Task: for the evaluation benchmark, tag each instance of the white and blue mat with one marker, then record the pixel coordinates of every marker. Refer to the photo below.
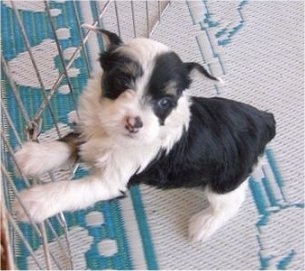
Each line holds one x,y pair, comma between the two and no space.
257,47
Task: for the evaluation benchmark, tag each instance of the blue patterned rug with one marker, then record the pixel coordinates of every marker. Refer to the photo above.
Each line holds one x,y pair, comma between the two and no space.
259,55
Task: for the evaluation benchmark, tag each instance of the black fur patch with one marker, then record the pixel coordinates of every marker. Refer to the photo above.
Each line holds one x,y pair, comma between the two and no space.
219,149
120,73
169,78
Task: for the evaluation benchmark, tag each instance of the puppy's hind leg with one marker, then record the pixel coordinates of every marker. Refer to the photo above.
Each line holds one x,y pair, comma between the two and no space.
222,208
34,158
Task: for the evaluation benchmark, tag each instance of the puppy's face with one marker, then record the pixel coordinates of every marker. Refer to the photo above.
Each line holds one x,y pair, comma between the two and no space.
142,89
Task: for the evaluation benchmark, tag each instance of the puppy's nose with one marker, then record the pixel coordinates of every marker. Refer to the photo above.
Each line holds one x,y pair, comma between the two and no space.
133,124
138,122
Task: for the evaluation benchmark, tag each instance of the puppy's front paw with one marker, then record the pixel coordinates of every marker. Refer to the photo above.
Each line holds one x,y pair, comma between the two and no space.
36,202
203,225
29,159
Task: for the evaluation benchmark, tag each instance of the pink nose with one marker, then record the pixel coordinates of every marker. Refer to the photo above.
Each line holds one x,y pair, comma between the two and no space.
133,124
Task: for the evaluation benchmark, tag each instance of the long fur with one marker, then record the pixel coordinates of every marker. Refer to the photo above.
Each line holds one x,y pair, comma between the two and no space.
137,125
221,145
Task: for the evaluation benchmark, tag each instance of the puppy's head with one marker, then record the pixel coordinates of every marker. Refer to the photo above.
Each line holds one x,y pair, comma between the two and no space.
142,89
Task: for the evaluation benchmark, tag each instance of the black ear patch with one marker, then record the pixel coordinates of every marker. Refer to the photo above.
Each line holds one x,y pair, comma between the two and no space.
113,39
169,70
190,66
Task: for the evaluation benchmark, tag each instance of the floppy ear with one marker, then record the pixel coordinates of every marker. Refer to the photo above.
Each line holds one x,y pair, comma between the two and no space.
190,66
111,39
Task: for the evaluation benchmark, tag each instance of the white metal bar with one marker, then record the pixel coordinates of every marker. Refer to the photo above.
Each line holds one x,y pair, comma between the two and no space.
10,122
46,103
25,242
160,17
45,245
15,91
117,17
61,56
80,32
66,230
40,233
147,19
133,19
28,47
70,62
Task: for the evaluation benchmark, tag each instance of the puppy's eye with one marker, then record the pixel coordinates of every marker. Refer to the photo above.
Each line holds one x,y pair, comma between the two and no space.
164,103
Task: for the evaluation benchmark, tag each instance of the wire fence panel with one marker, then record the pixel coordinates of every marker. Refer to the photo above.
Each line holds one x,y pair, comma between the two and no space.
46,60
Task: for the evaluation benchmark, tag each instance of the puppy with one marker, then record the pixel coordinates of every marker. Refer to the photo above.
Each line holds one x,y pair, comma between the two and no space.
137,125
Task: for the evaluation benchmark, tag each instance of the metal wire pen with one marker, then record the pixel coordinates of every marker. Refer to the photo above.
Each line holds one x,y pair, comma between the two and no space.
29,123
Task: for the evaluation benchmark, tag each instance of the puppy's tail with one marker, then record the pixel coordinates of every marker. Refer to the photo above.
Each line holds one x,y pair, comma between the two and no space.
35,159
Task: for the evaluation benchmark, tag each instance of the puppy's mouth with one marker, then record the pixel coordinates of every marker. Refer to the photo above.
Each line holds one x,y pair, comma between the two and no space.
131,130
132,135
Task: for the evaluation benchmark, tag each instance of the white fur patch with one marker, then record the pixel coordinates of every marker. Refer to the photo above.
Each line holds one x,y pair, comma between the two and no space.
113,153
43,201
34,158
103,125
222,208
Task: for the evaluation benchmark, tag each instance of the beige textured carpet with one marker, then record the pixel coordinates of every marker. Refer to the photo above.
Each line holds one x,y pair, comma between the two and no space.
257,47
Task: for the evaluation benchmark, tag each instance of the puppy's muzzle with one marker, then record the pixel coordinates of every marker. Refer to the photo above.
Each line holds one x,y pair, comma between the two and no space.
133,124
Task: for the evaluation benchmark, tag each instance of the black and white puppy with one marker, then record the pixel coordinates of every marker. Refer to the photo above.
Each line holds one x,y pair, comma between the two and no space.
137,125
